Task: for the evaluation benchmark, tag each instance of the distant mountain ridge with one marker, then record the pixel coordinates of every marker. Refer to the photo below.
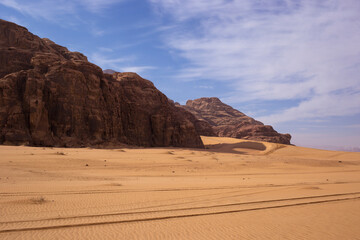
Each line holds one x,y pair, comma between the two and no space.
109,71
334,148
229,122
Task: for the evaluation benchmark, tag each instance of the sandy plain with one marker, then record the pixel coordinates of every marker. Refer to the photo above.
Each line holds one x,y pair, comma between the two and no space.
233,189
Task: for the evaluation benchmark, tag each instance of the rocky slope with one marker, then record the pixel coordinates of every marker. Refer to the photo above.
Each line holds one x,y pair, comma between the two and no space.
229,122
201,126
50,96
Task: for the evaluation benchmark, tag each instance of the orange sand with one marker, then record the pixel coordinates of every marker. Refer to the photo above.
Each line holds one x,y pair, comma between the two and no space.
234,189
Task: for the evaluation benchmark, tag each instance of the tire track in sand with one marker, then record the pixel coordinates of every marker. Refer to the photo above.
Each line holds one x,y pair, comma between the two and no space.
39,228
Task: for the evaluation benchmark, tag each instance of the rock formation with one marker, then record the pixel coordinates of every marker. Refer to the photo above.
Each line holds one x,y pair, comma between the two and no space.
109,71
202,127
50,96
229,122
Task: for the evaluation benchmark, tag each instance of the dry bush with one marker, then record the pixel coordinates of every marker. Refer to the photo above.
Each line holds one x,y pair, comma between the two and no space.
38,200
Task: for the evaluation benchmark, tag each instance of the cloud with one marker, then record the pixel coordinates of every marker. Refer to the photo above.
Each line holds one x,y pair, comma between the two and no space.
106,62
106,49
301,50
14,19
205,87
137,69
319,106
48,10
122,64
56,10
97,32
97,6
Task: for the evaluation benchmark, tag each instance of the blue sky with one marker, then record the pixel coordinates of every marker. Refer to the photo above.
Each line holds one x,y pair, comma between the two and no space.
293,64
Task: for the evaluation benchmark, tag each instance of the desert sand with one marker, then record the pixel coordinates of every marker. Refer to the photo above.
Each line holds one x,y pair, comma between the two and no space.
233,189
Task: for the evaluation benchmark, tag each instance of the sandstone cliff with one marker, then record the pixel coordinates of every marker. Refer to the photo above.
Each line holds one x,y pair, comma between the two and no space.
50,96
229,122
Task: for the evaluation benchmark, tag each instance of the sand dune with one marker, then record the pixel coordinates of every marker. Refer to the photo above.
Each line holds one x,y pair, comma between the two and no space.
233,189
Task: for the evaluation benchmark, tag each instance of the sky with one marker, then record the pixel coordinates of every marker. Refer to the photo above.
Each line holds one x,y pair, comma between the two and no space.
292,64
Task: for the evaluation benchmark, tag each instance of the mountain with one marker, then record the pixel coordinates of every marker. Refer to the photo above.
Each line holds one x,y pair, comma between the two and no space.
202,127
109,71
229,122
50,96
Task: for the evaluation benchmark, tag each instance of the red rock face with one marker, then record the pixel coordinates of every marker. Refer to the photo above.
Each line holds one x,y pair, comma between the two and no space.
50,96
202,127
229,122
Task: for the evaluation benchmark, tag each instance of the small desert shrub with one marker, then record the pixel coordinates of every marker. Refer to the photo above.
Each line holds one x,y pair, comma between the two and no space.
38,200
116,184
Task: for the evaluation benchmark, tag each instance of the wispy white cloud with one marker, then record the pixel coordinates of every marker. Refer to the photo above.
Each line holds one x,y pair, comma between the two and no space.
55,10
106,62
97,32
97,6
120,64
302,50
105,49
49,10
205,87
319,106
14,19
137,69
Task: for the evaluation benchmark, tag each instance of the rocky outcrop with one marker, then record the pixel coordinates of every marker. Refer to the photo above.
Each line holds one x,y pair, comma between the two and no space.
229,122
109,71
202,127
50,96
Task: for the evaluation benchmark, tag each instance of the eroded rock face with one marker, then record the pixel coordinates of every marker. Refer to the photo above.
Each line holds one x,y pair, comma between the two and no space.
229,122
50,96
202,127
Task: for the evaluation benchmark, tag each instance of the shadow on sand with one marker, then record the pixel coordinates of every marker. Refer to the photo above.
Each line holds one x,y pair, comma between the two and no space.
238,148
